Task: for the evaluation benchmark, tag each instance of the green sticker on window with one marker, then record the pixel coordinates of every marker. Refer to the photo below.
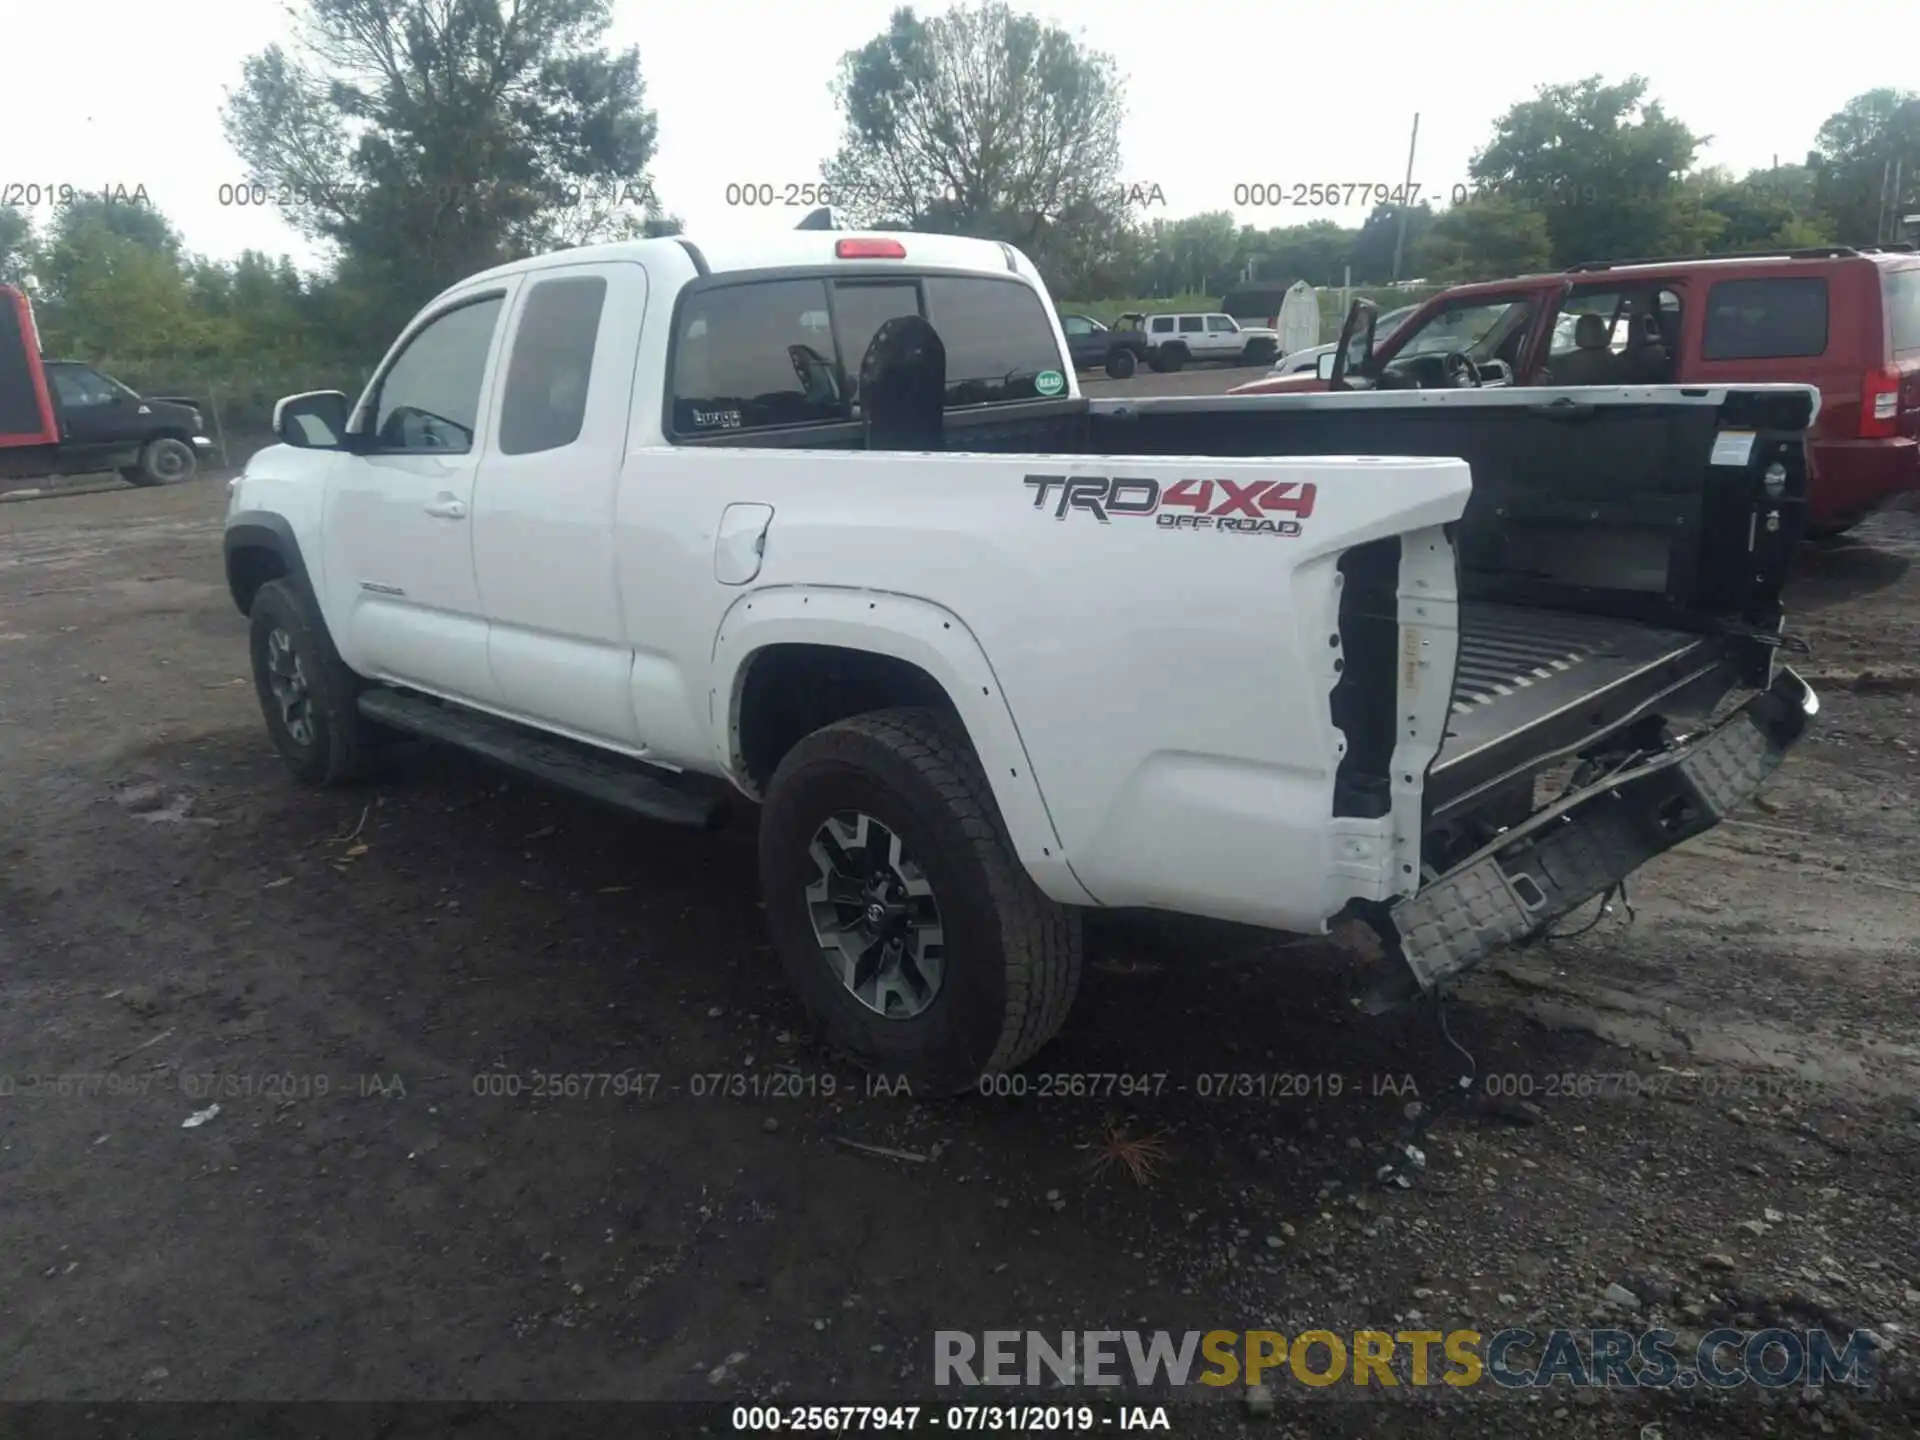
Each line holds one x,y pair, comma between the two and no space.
1049,382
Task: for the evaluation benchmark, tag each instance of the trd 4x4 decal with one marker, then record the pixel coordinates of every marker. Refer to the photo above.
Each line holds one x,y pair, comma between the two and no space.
1236,507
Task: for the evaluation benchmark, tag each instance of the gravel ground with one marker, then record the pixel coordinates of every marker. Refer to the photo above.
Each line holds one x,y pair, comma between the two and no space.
1710,1109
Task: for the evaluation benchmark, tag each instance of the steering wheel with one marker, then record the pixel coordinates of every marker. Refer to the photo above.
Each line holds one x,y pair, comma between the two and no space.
1461,372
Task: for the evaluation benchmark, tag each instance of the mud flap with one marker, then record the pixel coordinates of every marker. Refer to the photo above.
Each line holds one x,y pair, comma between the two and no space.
1586,843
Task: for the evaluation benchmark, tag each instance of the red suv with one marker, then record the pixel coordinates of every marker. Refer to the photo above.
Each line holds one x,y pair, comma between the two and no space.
1844,320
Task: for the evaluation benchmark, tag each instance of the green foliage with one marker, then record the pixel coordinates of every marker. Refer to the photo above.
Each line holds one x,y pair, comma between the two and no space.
429,139
1107,311
1768,209
983,121
1857,148
16,244
1489,238
1603,165
434,137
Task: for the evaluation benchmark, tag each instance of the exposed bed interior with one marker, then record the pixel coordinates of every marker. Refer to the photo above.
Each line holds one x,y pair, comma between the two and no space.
1606,557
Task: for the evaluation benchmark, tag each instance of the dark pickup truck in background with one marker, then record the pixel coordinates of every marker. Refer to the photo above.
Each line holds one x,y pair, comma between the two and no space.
62,417
1093,346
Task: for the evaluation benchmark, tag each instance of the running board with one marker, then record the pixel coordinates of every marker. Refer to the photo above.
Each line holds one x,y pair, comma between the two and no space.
597,776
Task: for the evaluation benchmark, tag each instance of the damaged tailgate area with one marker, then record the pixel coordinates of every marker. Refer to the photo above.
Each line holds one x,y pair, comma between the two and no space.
1623,806
1610,642
1616,687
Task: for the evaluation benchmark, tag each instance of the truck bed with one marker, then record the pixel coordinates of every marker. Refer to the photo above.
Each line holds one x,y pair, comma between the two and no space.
1530,682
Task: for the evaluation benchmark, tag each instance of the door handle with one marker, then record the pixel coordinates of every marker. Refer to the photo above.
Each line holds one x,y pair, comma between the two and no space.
446,507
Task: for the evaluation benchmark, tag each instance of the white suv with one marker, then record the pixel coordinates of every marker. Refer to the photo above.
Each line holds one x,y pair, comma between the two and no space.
1175,340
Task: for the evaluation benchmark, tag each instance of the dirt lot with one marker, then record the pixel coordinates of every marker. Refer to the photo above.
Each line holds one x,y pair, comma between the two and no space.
1713,1106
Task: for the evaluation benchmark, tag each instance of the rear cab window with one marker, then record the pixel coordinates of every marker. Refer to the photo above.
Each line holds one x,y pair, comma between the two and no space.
763,354
1779,318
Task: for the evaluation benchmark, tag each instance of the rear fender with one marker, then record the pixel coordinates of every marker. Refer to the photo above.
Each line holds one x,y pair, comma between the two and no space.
922,634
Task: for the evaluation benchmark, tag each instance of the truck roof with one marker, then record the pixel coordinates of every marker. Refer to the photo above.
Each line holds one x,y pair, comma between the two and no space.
780,250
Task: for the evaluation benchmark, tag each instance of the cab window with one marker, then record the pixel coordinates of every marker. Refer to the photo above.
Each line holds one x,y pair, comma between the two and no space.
998,336
429,398
79,388
860,308
755,355
544,402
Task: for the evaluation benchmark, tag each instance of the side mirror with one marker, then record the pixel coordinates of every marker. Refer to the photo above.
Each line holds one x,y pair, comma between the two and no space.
313,420
1323,365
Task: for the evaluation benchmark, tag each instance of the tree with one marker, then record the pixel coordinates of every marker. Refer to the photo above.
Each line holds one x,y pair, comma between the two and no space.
1773,209
432,138
109,281
1603,165
16,244
1375,242
1857,148
980,122
1318,252
1490,238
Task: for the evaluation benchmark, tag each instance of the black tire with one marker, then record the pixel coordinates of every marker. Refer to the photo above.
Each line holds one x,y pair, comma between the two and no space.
1011,957
164,460
1173,358
1121,364
334,750
1260,352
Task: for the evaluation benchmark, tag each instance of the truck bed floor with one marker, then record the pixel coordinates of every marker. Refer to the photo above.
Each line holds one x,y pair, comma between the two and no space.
1531,682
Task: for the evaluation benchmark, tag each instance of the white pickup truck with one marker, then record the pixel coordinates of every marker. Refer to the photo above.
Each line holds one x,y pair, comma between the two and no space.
822,521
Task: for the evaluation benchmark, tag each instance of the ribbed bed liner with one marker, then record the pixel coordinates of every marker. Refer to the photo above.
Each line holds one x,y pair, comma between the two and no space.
1504,649
1529,681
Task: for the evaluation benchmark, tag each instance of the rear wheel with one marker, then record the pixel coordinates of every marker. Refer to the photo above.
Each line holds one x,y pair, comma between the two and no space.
307,694
1172,358
899,911
163,461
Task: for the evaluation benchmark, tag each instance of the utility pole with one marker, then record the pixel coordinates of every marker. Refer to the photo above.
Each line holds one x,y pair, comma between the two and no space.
1400,240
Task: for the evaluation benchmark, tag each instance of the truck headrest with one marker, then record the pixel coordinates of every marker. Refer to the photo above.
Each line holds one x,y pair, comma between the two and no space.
903,386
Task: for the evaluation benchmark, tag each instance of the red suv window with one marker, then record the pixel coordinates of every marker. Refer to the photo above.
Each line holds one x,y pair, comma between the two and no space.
1903,311
1766,319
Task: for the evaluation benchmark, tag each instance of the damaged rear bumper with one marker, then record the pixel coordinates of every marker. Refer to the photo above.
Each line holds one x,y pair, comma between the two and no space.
1587,842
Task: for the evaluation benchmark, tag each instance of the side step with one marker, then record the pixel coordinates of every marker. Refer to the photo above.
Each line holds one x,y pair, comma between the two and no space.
609,779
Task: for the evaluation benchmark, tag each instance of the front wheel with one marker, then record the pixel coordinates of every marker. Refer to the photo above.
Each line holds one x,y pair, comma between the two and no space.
163,461
899,911
1120,364
307,694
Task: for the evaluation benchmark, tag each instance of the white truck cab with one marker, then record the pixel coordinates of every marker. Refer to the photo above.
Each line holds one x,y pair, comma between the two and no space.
821,522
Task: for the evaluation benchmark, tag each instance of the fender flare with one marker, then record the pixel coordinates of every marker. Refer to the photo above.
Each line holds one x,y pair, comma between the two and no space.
923,634
261,530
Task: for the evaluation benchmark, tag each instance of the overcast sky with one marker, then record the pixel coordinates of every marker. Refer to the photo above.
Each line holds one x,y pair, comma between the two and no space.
1222,92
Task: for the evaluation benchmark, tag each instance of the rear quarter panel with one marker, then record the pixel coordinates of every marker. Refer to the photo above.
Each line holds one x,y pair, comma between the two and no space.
1170,686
